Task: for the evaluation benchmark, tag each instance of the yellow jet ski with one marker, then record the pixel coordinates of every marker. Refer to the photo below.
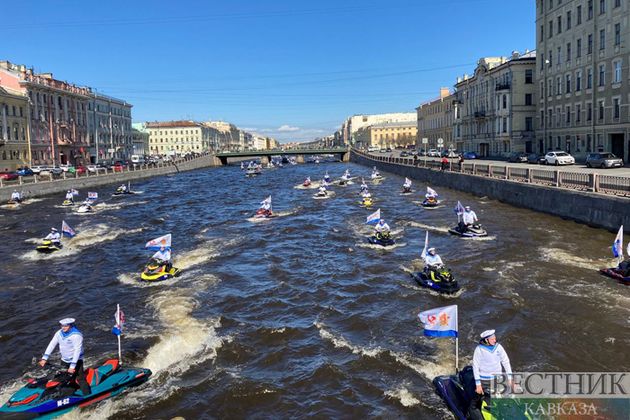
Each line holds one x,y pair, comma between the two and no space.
47,247
157,271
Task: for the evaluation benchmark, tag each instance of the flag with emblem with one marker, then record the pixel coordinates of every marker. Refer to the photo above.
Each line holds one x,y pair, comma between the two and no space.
119,316
617,247
93,195
440,322
374,217
157,243
432,192
67,230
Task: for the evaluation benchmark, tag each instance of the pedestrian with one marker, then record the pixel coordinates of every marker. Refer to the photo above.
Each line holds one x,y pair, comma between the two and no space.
70,341
460,161
444,163
487,360
415,159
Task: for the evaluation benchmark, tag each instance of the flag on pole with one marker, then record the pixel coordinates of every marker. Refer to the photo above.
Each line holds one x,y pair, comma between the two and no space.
374,217
67,230
157,243
119,316
407,181
426,247
459,209
93,196
266,200
432,192
617,247
440,322
74,192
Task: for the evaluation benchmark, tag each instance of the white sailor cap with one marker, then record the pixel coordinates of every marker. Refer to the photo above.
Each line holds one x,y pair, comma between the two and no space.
487,333
430,249
53,229
66,321
467,207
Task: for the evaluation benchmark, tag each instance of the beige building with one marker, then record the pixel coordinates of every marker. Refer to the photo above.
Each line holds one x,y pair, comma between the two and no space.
353,124
435,121
388,134
177,137
14,141
495,109
583,90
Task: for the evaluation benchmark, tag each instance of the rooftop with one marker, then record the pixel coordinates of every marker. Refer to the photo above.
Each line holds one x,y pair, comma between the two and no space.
172,124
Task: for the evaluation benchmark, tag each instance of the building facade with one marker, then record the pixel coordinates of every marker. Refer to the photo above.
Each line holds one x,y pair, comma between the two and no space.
494,109
353,124
14,144
140,139
435,122
109,128
583,79
56,113
388,134
177,138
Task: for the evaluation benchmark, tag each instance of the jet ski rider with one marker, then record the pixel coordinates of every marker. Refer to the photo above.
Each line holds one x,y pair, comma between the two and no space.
433,261
54,237
322,190
487,360
123,188
469,218
70,196
163,257
70,341
382,229
16,196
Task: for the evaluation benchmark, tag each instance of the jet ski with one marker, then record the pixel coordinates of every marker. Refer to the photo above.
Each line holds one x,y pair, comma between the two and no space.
470,231
67,203
85,208
440,279
407,190
14,202
458,391
307,184
620,273
55,394
430,202
157,271
48,247
342,181
120,191
367,201
381,238
264,214
251,172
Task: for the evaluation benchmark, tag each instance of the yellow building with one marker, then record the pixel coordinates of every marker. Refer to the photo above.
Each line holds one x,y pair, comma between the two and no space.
435,121
388,134
14,140
177,137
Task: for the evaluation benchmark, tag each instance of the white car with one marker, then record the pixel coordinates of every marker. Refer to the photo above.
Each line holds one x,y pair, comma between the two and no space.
38,169
65,167
559,158
433,153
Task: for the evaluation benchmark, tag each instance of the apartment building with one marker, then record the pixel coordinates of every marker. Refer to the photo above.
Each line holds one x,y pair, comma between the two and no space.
435,121
14,144
177,137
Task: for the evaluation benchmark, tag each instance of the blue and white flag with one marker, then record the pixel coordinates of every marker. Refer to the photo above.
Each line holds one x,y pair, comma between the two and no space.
617,247
119,316
440,322
266,201
407,181
374,217
74,192
432,192
157,243
93,196
67,230
459,209
426,247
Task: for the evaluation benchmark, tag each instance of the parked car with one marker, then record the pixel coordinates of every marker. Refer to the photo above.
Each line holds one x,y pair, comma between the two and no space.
118,166
54,170
383,150
448,153
80,169
404,154
433,153
603,160
559,158
517,157
469,155
26,171
389,149
66,167
38,169
536,158
9,175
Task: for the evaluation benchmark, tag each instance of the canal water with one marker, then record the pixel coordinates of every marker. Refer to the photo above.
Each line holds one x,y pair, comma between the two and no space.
298,316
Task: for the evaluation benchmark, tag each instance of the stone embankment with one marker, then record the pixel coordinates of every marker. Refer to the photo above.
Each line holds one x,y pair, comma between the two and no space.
594,209
88,180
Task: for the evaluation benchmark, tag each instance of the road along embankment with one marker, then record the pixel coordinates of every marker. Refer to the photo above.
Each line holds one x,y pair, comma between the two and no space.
593,209
36,189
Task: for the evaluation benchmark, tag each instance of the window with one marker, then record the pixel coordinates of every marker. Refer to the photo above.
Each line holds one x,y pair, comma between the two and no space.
579,15
504,101
568,115
550,88
602,75
559,85
559,28
616,106
529,76
589,78
618,34
550,58
589,111
569,19
558,116
542,32
569,51
602,6
617,3
549,117
529,124
578,81
617,72
589,46
578,113
601,110
529,100
559,55
578,52
505,125
542,90
568,83
542,118
550,29
590,9
550,4
602,39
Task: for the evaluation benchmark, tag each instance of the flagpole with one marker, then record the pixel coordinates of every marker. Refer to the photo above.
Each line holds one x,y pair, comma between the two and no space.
119,349
456,343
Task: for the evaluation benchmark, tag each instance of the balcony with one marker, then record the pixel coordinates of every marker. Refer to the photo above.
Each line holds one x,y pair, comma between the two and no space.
479,114
502,86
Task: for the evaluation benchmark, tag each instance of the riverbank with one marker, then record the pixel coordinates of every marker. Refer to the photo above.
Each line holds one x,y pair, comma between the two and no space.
57,186
594,209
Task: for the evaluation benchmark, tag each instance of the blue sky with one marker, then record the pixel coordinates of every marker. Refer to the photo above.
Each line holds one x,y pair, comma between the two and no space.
292,70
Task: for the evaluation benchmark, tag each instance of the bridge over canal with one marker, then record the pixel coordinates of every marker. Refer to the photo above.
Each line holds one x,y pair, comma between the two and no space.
221,159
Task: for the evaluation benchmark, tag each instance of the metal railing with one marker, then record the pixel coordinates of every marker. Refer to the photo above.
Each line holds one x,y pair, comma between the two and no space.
593,182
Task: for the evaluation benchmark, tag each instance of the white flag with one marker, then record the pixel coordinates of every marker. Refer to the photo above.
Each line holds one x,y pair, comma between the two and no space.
374,217
426,247
440,322
157,243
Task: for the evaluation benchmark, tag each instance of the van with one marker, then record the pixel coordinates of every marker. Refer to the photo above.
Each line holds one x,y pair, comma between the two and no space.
373,149
137,159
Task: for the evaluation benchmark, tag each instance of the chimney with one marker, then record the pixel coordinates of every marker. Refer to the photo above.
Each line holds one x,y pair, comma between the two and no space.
444,92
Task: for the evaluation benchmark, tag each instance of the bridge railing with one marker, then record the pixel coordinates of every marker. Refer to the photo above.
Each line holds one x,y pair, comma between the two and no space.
594,182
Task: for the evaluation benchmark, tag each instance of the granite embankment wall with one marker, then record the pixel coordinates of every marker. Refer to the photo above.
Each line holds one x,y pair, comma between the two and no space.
83,182
593,209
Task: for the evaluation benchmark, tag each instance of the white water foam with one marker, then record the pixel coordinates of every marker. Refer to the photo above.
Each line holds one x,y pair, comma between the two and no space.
564,257
331,194
441,229
403,396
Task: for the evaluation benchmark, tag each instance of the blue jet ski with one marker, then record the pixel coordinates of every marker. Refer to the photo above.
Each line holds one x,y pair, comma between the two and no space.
439,279
383,239
56,394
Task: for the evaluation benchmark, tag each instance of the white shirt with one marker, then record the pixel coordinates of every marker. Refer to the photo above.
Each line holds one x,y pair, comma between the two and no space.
374,175
487,361
162,255
427,196
322,189
53,237
69,196
15,196
431,260
469,217
70,346
381,228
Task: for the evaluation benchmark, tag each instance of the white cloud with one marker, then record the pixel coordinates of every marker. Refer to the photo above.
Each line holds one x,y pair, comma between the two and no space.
248,129
288,128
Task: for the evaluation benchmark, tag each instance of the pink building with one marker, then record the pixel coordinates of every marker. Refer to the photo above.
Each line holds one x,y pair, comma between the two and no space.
56,113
